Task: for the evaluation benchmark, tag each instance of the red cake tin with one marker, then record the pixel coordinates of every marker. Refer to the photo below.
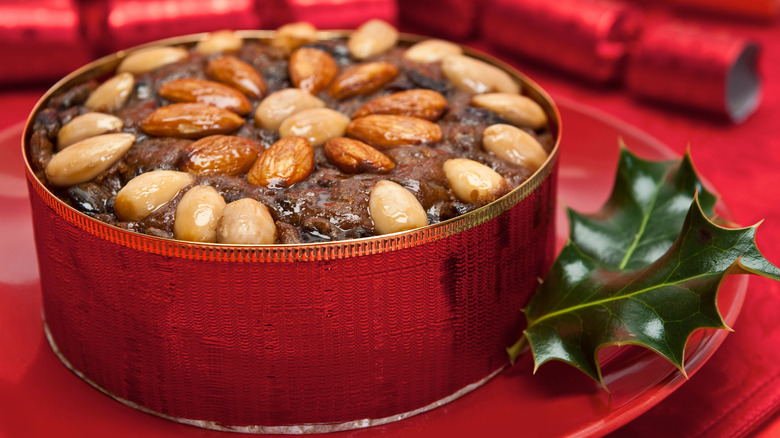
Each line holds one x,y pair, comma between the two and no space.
292,338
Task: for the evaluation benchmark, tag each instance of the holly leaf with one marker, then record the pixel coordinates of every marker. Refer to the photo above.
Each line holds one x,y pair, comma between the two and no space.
644,213
644,270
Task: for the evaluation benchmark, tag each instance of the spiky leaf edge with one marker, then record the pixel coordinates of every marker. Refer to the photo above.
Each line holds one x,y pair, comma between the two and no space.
737,267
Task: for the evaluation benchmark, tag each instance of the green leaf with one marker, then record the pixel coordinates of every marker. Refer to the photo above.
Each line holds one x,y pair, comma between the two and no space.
644,213
641,271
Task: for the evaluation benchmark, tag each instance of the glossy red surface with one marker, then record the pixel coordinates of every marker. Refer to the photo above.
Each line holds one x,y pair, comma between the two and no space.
42,398
41,40
588,39
738,391
287,336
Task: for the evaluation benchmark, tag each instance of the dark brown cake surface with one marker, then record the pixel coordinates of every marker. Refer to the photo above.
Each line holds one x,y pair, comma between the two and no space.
323,201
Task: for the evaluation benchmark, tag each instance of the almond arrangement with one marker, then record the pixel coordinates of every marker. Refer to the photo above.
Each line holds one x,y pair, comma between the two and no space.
293,139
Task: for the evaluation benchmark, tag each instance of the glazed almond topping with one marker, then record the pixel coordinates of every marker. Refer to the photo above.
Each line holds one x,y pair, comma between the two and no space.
394,208
372,38
146,60
206,92
197,215
147,192
220,154
223,41
354,156
238,74
286,162
293,139
278,106
388,131
363,79
86,126
421,103
88,158
111,94
246,221
190,120
317,125
312,70
477,76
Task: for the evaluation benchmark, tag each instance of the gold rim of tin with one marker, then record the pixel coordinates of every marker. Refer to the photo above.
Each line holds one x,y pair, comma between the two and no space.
297,251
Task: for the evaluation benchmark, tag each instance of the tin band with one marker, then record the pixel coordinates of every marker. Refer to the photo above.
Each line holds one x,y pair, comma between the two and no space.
259,429
237,336
296,252
292,252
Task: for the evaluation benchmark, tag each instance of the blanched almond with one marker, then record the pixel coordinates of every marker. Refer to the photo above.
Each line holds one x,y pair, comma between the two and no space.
372,38
190,120
363,79
146,60
477,76
113,93
147,192
220,154
206,92
282,104
293,35
394,209
87,159
387,131
285,163
354,156
431,51
85,126
514,108
220,41
246,221
514,145
238,74
197,215
474,182
318,125
425,104
312,70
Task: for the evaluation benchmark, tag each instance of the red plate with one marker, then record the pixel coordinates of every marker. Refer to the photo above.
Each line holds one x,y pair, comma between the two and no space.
40,397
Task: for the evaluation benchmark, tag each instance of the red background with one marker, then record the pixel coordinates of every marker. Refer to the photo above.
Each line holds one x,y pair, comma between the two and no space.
740,387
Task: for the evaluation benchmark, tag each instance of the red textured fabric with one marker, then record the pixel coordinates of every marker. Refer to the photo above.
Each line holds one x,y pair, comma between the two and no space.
132,22
245,340
40,40
737,391
453,19
588,38
694,67
339,14
748,8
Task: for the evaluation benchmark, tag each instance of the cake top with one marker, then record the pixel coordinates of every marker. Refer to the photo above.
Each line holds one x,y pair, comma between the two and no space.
293,139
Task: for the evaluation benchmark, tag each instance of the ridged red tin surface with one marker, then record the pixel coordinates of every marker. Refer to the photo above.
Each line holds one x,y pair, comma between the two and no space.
285,343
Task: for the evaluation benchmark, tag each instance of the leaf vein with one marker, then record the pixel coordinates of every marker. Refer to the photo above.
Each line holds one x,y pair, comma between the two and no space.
641,230
604,301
